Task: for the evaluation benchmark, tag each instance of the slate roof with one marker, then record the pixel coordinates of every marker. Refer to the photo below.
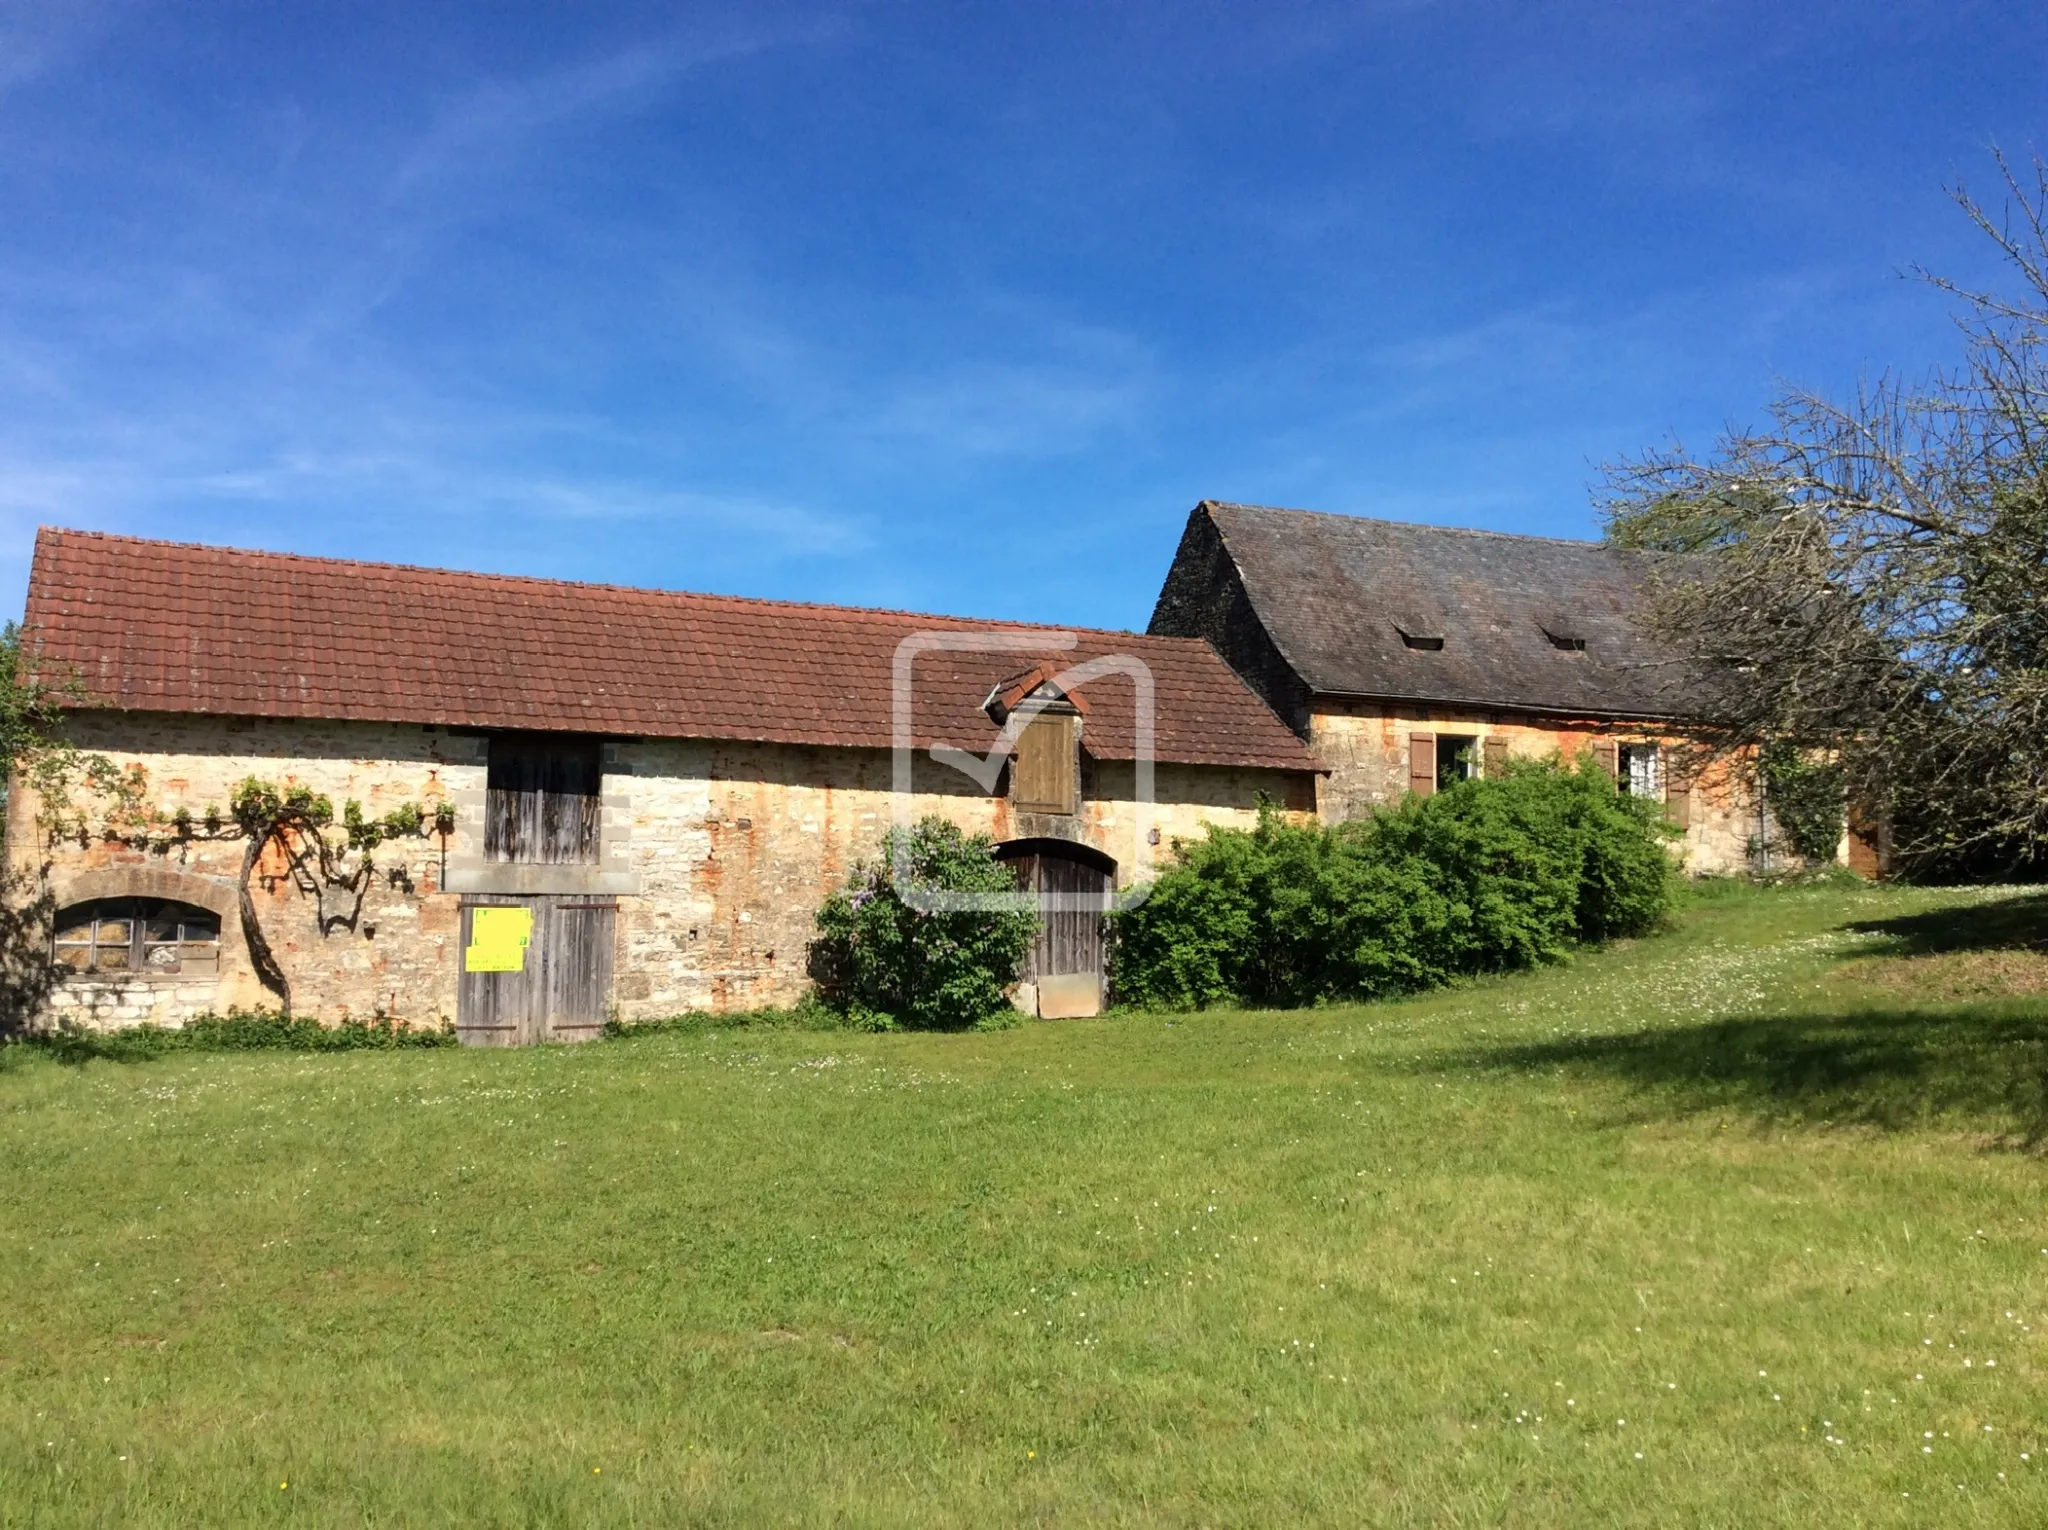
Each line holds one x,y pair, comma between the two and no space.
1337,592
170,627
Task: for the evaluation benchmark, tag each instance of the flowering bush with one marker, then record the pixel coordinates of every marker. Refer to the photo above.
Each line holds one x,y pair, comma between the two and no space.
1488,876
883,963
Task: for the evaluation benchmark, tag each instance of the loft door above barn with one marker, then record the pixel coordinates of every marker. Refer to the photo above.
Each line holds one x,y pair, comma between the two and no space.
542,801
552,815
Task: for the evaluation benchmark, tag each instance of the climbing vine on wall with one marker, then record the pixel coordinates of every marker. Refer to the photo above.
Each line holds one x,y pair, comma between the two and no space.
301,824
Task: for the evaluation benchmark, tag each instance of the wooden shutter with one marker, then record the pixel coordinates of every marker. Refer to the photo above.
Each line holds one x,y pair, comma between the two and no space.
541,801
1493,756
562,985
576,972
1045,766
1678,799
1607,755
1422,763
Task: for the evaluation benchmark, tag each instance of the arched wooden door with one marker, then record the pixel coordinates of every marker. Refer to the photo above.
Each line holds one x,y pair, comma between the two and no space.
1066,967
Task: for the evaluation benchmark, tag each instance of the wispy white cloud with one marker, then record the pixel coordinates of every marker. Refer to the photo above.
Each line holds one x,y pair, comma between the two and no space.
487,126
990,375
992,409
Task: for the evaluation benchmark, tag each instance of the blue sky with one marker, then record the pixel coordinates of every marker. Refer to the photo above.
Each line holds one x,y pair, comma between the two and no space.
948,306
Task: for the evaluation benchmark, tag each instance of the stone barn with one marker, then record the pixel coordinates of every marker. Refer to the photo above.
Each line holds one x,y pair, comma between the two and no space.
1411,656
632,801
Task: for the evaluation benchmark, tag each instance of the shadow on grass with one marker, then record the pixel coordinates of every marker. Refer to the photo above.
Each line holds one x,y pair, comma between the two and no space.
1980,1067
2011,924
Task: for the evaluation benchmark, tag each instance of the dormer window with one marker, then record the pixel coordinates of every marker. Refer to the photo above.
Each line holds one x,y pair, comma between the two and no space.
1045,767
1564,633
1419,631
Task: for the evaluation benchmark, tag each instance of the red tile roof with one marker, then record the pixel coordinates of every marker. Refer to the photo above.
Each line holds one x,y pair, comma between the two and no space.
169,627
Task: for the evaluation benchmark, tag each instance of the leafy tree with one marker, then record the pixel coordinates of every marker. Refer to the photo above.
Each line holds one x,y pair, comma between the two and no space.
28,706
885,961
1868,585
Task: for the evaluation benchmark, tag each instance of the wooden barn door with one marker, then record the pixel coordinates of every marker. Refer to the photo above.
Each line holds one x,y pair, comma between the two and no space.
551,985
1067,962
1070,938
577,967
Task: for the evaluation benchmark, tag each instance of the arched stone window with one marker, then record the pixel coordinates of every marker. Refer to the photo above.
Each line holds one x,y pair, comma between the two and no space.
148,936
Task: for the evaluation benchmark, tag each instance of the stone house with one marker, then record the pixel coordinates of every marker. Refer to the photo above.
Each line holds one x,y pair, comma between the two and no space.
634,800
1409,656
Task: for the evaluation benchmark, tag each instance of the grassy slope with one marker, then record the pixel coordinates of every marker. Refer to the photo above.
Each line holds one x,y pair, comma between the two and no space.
1409,1264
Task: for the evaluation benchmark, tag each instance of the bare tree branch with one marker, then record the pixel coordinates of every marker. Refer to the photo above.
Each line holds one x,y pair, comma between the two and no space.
1871,573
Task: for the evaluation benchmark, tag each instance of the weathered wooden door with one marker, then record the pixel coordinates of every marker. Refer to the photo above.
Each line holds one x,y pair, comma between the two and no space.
577,967
554,988
1068,955
1070,932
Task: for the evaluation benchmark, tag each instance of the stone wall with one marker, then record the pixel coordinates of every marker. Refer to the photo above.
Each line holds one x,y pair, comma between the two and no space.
395,954
736,845
1365,748
718,853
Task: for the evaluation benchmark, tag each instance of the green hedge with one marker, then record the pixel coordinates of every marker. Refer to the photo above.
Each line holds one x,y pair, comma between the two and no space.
240,1031
1489,876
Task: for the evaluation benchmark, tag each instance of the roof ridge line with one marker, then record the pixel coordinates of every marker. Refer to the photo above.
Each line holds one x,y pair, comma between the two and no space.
1381,520
822,607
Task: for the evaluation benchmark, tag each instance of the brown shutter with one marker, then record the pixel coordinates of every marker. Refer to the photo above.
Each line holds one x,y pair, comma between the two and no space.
1493,756
1607,755
1045,767
1422,763
1677,798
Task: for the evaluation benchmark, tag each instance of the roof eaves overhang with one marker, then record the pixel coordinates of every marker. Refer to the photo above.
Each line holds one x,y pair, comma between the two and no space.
1600,713
471,726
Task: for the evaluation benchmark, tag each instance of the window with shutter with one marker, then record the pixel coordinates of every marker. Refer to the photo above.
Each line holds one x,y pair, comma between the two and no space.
1494,757
1044,774
541,805
1639,771
1457,759
147,935
1607,755
1422,763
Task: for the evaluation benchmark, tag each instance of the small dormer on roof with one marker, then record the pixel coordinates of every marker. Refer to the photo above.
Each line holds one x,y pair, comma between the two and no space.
1035,684
1420,630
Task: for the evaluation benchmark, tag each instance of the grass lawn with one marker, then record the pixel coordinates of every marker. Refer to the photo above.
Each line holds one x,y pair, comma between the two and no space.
1741,1226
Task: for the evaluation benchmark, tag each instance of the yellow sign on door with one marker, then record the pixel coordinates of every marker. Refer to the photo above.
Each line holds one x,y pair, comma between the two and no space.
498,938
